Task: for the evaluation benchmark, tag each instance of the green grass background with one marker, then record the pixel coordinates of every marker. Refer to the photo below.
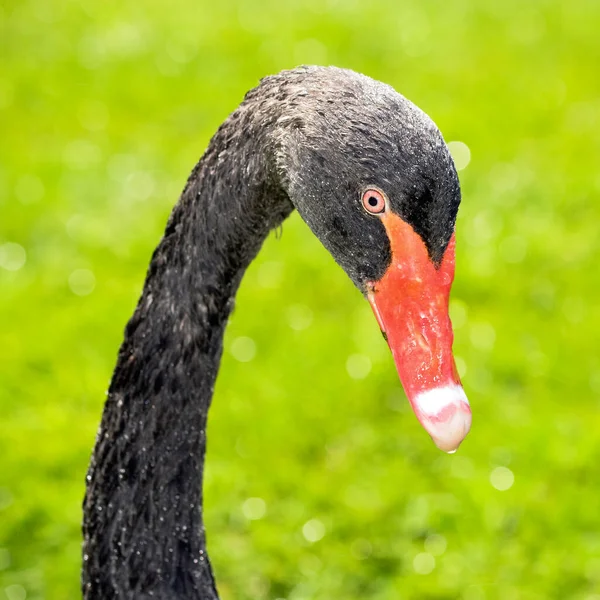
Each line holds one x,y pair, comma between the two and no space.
104,109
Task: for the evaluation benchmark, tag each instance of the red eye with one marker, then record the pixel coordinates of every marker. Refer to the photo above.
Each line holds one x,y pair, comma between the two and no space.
373,200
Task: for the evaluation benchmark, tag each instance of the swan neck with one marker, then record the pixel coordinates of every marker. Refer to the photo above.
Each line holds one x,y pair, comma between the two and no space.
143,526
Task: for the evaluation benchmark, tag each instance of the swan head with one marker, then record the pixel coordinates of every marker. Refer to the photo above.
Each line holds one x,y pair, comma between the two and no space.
371,175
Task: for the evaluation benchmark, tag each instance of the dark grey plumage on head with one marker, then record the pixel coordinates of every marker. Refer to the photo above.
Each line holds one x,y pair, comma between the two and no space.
312,139
343,132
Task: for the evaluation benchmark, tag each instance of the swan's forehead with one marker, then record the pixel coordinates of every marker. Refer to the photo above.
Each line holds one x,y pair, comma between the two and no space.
339,104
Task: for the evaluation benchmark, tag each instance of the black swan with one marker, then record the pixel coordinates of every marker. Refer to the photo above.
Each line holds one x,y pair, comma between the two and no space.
372,177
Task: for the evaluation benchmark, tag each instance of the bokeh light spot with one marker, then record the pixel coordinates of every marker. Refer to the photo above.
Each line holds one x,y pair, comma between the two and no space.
254,508
358,366
15,592
243,349
181,51
474,592
461,154
82,282
423,563
120,166
458,313
74,226
435,544
12,256
461,365
502,478
482,229
81,154
139,185
299,317
313,530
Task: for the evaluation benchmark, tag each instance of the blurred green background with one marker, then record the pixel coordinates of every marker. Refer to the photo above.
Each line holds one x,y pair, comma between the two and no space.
319,481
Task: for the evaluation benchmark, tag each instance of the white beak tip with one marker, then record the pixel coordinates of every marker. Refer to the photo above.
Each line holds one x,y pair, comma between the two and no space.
445,414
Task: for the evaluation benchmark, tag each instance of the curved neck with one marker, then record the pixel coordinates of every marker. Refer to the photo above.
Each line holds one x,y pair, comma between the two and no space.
143,529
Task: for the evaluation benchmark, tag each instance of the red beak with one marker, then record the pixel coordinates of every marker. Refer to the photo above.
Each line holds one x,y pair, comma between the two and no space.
410,302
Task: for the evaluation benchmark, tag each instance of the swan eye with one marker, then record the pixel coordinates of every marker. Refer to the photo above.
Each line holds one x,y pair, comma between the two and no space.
373,201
